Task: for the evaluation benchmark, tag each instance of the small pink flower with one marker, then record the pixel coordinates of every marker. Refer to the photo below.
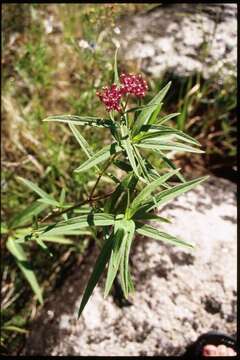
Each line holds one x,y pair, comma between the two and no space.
110,96
133,84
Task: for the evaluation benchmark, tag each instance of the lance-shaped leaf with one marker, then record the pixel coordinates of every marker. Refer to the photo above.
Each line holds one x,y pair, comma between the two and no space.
172,166
145,114
151,217
99,157
116,201
23,217
149,231
46,198
172,146
81,140
163,136
82,120
76,223
116,255
146,177
142,107
116,76
166,118
97,271
126,143
154,115
146,192
125,277
21,259
167,195
165,130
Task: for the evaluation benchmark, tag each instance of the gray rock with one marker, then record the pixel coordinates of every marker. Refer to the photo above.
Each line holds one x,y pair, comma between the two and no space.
183,39
179,293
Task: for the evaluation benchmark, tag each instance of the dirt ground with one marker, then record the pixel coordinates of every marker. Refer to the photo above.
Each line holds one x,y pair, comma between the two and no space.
179,294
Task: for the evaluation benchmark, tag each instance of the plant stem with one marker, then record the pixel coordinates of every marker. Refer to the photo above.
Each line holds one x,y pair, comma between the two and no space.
100,175
52,215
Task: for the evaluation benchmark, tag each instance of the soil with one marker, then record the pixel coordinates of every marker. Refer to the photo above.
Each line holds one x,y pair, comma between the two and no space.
179,293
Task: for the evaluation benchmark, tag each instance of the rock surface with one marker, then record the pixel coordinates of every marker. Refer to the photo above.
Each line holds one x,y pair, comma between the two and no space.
183,39
179,294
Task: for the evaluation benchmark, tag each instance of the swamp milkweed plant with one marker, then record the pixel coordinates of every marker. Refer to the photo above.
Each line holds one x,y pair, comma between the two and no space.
123,212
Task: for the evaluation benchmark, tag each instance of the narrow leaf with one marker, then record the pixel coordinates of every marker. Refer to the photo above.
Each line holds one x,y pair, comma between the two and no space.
116,255
76,223
17,251
166,118
37,190
167,195
174,146
116,77
145,114
82,120
146,192
23,217
99,157
149,231
97,271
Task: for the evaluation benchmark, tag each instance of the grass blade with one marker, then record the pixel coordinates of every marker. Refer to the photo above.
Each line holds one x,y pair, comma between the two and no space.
49,199
21,258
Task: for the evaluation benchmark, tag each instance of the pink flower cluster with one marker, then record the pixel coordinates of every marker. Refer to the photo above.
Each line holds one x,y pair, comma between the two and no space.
131,84
134,84
110,96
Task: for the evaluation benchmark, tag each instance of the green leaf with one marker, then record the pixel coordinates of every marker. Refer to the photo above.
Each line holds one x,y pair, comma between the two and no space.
172,166
59,239
146,178
14,329
21,258
145,114
126,143
62,197
48,202
43,246
116,77
125,278
142,107
99,157
146,192
166,118
123,165
82,142
23,217
116,201
82,120
174,146
146,217
76,223
154,115
97,271
166,130
48,198
116,255
167,195
149,231
163,136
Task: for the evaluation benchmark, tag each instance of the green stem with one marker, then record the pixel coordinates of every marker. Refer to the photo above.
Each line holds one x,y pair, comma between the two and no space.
100,175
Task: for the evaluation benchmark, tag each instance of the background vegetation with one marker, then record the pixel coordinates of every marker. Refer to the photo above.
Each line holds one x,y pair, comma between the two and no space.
54,59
